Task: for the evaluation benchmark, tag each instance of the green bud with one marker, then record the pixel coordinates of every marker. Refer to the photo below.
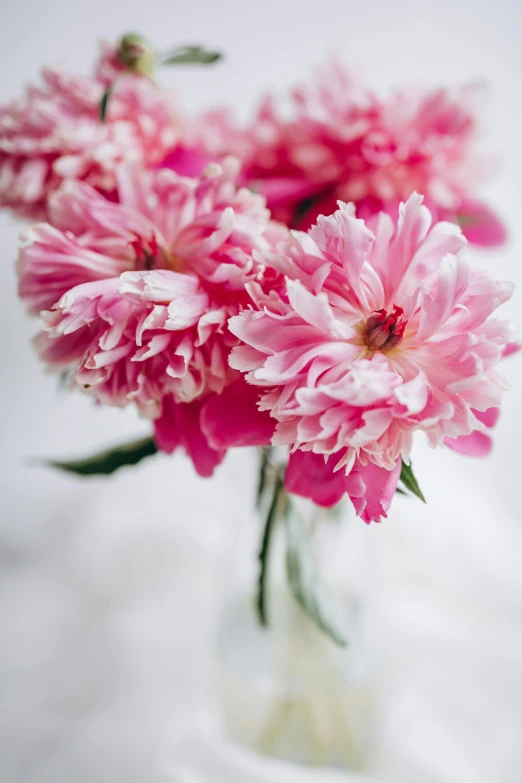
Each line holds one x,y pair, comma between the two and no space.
137,54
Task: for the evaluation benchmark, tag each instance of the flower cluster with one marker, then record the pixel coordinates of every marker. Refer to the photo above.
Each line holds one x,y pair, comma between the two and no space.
372,336
161,280
135,295
344,142
54,133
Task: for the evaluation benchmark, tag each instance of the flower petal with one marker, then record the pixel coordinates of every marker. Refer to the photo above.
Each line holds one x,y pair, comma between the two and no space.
233,418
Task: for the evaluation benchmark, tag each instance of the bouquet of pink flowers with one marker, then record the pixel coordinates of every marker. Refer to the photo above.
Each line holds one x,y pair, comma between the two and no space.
295,285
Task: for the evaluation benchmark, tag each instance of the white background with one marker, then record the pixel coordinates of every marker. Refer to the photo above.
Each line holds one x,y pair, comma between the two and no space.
108,589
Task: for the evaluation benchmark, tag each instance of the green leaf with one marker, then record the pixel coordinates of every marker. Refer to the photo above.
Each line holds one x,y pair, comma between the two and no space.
400,491
191,55
104,102
305,583
109,461
277,508
410,482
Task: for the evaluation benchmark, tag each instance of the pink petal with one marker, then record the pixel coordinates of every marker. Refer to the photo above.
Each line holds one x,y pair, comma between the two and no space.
413,394
315,309
510,349
488,417
348,239
477,444
186,161
234,419
280,190
480,225
412,227
179,425
309,476
379,489
50,263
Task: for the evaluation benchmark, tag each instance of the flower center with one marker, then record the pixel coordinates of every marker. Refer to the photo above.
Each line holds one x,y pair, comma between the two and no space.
147,252
384,330
150,255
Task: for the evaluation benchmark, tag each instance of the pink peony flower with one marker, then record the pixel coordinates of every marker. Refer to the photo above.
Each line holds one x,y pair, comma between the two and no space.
343,142
54,133
377,334
135,296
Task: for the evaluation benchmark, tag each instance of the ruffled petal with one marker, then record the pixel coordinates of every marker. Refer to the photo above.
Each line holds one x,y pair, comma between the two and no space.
180,426
233,418
311,476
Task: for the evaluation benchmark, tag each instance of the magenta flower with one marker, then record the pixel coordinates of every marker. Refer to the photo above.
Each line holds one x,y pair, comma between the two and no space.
376,335
343,142
135,296
54,133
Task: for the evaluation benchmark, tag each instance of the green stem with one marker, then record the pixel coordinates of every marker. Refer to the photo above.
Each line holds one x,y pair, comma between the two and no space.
277,508
265,452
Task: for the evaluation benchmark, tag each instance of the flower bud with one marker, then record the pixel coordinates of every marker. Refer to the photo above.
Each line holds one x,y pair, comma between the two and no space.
137,54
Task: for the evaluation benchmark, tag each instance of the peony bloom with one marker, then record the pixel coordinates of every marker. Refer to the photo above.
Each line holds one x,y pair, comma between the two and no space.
375,335
54,133
134,296
343,142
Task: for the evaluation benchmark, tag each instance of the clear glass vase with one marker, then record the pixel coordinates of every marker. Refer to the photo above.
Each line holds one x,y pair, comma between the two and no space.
287,690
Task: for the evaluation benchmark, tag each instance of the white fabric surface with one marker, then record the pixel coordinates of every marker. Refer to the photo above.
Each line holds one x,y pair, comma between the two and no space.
109,589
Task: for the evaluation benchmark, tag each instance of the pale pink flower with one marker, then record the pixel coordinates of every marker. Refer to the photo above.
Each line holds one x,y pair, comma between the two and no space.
54,133
341,141
135,295
376,335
